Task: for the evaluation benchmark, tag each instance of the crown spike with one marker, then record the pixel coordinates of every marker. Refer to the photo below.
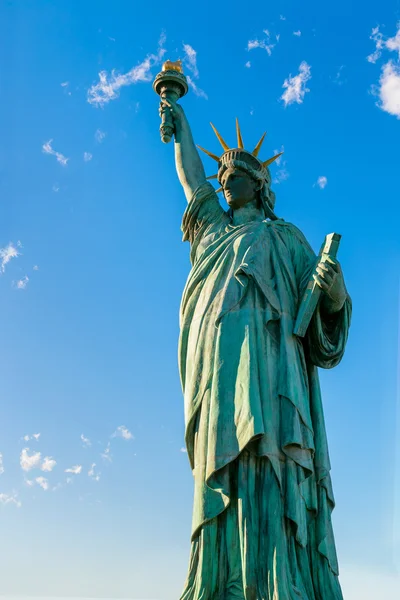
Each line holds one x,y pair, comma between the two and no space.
239,135
220,138
212,176
257,148
219,190
210,154
266,163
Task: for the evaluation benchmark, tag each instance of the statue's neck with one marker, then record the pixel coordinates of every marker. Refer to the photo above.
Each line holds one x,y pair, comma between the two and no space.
247,213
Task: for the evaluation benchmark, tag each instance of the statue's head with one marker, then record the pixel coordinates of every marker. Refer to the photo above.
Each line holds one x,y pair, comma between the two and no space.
239,187
242,176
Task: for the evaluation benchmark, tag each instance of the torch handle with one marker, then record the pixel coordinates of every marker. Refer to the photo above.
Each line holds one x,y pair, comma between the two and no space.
167,128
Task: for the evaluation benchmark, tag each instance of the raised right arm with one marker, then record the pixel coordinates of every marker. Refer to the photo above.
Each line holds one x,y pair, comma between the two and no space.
189,167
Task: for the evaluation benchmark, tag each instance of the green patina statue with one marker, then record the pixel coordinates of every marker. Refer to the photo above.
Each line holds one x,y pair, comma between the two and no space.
255,432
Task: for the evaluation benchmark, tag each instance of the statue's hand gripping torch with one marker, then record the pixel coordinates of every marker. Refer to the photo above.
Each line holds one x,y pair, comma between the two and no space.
170,84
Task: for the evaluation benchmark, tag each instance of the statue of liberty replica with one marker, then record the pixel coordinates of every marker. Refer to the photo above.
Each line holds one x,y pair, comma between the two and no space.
254,423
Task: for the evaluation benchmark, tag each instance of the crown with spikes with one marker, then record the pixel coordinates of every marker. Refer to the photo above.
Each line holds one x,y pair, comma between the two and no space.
257,167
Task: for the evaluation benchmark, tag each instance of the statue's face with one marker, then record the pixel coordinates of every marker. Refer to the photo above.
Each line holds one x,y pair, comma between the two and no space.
239,187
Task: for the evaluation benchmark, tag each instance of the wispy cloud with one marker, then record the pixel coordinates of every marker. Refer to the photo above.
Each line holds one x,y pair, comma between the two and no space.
10,499
1,464
297,33
198,91
35,268
99,135
76,470
123,432
190,59
282,173
321,182
296,86
85,441
48,464
107,453
21,284
109,85
48,149
338,79
383,43
282,18
43,482
183,450
7,253
34,436
264,44
87,156
56,188
29,461
248,64
92,473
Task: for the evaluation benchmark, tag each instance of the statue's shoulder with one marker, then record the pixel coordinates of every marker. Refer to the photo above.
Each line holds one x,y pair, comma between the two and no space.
292,233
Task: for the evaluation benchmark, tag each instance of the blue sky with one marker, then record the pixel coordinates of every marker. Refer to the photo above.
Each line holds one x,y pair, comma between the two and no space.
93,268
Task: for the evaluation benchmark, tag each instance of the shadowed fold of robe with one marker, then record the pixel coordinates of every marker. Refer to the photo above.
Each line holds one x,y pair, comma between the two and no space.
255,431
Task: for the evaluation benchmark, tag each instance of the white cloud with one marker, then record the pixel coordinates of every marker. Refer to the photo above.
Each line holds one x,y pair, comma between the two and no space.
29,482
109,85
48,464
99,135
377,37
47,149
280,158
76,470
87,156
263,44
10,499
338,77
389,89
199,92
65,84
183,450
296,86
382,43
298,33
34,436
85,441
7,253
248,64
43,482
191,59
55,187
106,454
281,175
1,464
393,43
35,268
123,432
321,182
92,473
21,283
29,461
282,18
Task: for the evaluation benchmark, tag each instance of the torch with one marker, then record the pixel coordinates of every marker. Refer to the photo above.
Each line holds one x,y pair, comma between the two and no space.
170,84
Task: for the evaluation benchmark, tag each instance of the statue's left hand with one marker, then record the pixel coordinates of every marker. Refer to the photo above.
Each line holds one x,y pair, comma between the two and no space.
330,279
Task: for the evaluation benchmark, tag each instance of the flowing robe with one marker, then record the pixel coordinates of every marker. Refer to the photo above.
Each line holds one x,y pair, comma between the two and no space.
254,424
